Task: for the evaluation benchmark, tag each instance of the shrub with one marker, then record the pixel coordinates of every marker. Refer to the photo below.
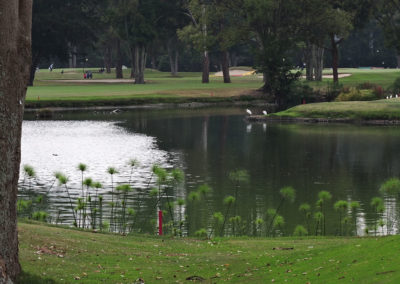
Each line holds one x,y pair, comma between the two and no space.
396,86
357,95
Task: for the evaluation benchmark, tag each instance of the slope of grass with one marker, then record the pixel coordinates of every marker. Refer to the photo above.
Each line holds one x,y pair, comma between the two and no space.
365,110
57,255
54,88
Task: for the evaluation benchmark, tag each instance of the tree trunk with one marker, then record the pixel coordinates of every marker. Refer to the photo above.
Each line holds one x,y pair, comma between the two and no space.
309,62
140,63
225,66
132,50
153,62
206,68
176,61
34,65
319,63
118,66
335,59
107,59
173,56
15,58
234,59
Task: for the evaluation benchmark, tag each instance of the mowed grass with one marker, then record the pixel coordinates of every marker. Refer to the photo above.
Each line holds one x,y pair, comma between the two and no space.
382,77
159,85
358,110
58,255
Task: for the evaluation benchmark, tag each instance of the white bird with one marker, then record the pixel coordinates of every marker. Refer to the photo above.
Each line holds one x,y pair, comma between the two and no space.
390,96
249,112
387,97
265,112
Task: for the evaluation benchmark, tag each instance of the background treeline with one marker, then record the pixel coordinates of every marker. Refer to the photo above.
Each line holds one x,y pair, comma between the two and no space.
273,36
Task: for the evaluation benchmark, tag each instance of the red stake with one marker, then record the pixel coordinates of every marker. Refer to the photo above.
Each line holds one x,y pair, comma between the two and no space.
160,223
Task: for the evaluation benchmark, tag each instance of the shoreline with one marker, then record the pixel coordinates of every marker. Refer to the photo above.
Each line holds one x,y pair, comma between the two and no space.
149,105
262,118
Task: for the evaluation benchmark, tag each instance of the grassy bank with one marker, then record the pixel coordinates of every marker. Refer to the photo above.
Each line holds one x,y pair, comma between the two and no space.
357,110
56,89
57,255
68,89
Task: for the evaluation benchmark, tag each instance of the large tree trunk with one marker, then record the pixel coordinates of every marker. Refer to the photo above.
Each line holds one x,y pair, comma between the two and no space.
335,59
140,64
72,55
132,50
319,63
173,55
309,62
206,68
15,61
225,66
118,65
32,71
107,59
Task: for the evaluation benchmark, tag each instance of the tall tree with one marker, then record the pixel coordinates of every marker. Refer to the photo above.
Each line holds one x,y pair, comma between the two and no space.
136,22
387,14
15,57
197,33
59,27
273,27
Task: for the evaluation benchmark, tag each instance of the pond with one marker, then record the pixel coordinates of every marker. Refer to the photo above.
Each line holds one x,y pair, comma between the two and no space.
349,161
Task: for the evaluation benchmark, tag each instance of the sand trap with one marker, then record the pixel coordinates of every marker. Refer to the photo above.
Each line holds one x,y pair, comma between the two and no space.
330,76
235,73
93,81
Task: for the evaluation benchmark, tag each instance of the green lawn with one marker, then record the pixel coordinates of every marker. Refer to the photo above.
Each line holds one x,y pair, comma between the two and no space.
56,255
383,77
159,86
48,90
358,110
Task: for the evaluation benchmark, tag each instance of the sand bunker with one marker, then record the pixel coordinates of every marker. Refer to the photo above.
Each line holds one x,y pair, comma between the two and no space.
236,73
330,76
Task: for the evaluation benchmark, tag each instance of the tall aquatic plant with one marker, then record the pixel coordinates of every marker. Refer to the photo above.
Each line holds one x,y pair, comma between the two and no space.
355,206
82,168
287,194
318,217
88,182
341,206
112,171
228,202
324,197
30,173
391,188
132,164
95,204
238,178
379,207
124,189
305,209
63,180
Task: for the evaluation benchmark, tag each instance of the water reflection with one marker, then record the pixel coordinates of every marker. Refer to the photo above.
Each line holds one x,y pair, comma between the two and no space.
349,161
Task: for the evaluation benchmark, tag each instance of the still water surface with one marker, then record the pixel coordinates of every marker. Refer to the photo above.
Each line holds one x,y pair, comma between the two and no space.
350,161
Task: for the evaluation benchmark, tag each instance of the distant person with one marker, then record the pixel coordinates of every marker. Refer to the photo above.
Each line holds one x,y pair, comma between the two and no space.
51,67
